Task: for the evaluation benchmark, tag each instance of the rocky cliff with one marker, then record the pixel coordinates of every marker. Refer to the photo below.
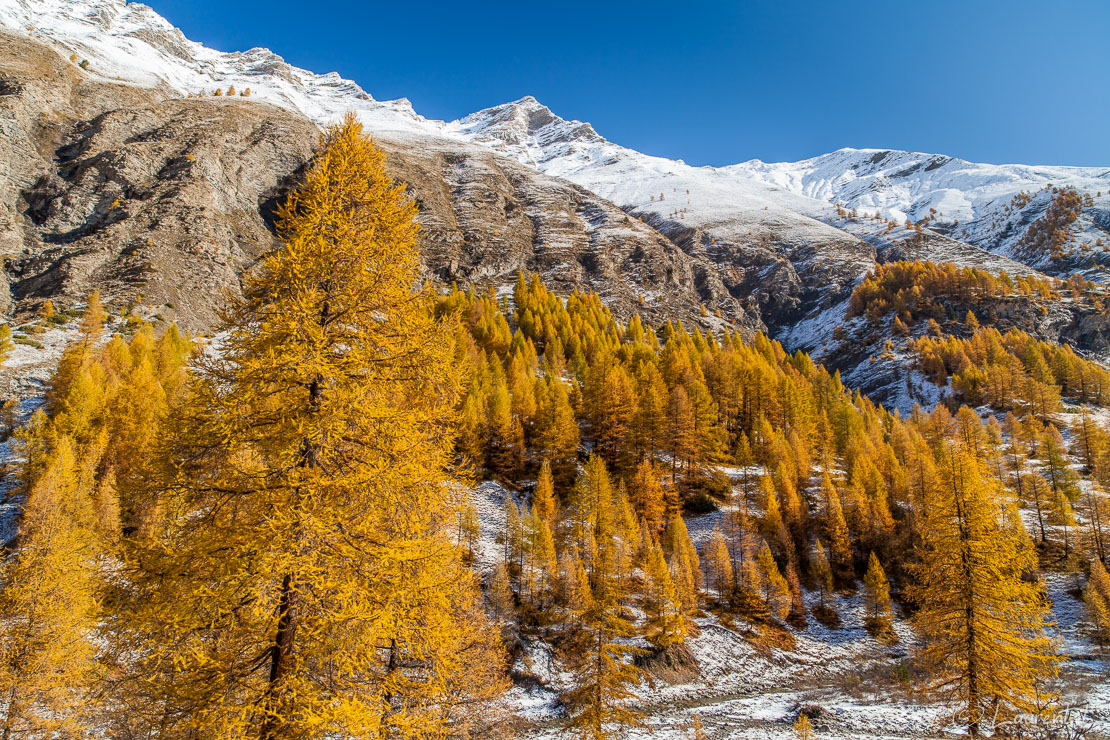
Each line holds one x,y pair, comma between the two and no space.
157,198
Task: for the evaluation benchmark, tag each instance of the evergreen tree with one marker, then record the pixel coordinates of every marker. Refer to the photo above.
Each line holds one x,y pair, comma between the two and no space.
984,625
49,608
307,520
876,591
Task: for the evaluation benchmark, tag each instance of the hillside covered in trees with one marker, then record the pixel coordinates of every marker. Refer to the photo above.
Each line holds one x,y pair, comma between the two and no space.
286,531
494,427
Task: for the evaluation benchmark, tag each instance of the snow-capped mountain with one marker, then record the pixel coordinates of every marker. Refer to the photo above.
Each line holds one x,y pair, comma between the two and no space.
132,42
969,201
905,185
775,232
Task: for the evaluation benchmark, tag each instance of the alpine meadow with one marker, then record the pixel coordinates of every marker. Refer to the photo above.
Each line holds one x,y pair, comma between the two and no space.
320,419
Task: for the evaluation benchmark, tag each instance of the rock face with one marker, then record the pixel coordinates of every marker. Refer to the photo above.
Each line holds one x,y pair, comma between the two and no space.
485,217
116,187
147,195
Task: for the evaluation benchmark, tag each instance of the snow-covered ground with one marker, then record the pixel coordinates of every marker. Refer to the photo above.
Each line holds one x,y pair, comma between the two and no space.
24,374
746,689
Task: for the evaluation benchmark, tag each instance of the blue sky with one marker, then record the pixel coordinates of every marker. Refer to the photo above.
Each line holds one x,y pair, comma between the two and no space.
722,82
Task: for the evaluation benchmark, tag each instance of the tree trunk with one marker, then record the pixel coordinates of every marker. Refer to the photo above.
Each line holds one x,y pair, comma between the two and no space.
281,655
8,714
972,678
281,651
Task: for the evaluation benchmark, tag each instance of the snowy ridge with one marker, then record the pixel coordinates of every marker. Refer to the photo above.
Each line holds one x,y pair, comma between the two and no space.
790,200
532,134
971,199
904,185
133,43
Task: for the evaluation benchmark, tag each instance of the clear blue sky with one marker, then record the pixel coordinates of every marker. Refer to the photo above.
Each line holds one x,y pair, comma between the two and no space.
721,82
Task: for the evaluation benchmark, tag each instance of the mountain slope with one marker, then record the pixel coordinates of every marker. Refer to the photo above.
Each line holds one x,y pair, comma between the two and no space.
154,196
774,234
972,202
763,243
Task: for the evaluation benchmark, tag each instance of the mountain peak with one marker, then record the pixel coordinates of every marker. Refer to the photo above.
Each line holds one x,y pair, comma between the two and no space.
525,123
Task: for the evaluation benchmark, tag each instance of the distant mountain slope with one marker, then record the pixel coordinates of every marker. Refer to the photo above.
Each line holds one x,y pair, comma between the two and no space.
772,238
764,241
972,202
161,199
968,202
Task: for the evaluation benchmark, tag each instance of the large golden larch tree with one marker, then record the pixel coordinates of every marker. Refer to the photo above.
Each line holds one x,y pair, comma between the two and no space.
304,582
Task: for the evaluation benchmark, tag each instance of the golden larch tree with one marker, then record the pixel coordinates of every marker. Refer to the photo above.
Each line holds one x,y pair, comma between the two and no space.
603,674
49,607
876,594
303,580
985,626
1097,598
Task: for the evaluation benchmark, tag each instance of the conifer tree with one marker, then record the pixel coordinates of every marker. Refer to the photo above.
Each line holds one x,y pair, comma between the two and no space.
49,608
611,402
598,660
501,593
681,431
575,585
1035,490
797,614
649,421
665,624
836,529
470,530
718,567
1056,466
543,497
6,343
803,728
773,525
1097,598
1063,515
877,596
736,525
512,540
684,561
543,561
821,572
647,495
775,591
558,435
304,580
984,625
